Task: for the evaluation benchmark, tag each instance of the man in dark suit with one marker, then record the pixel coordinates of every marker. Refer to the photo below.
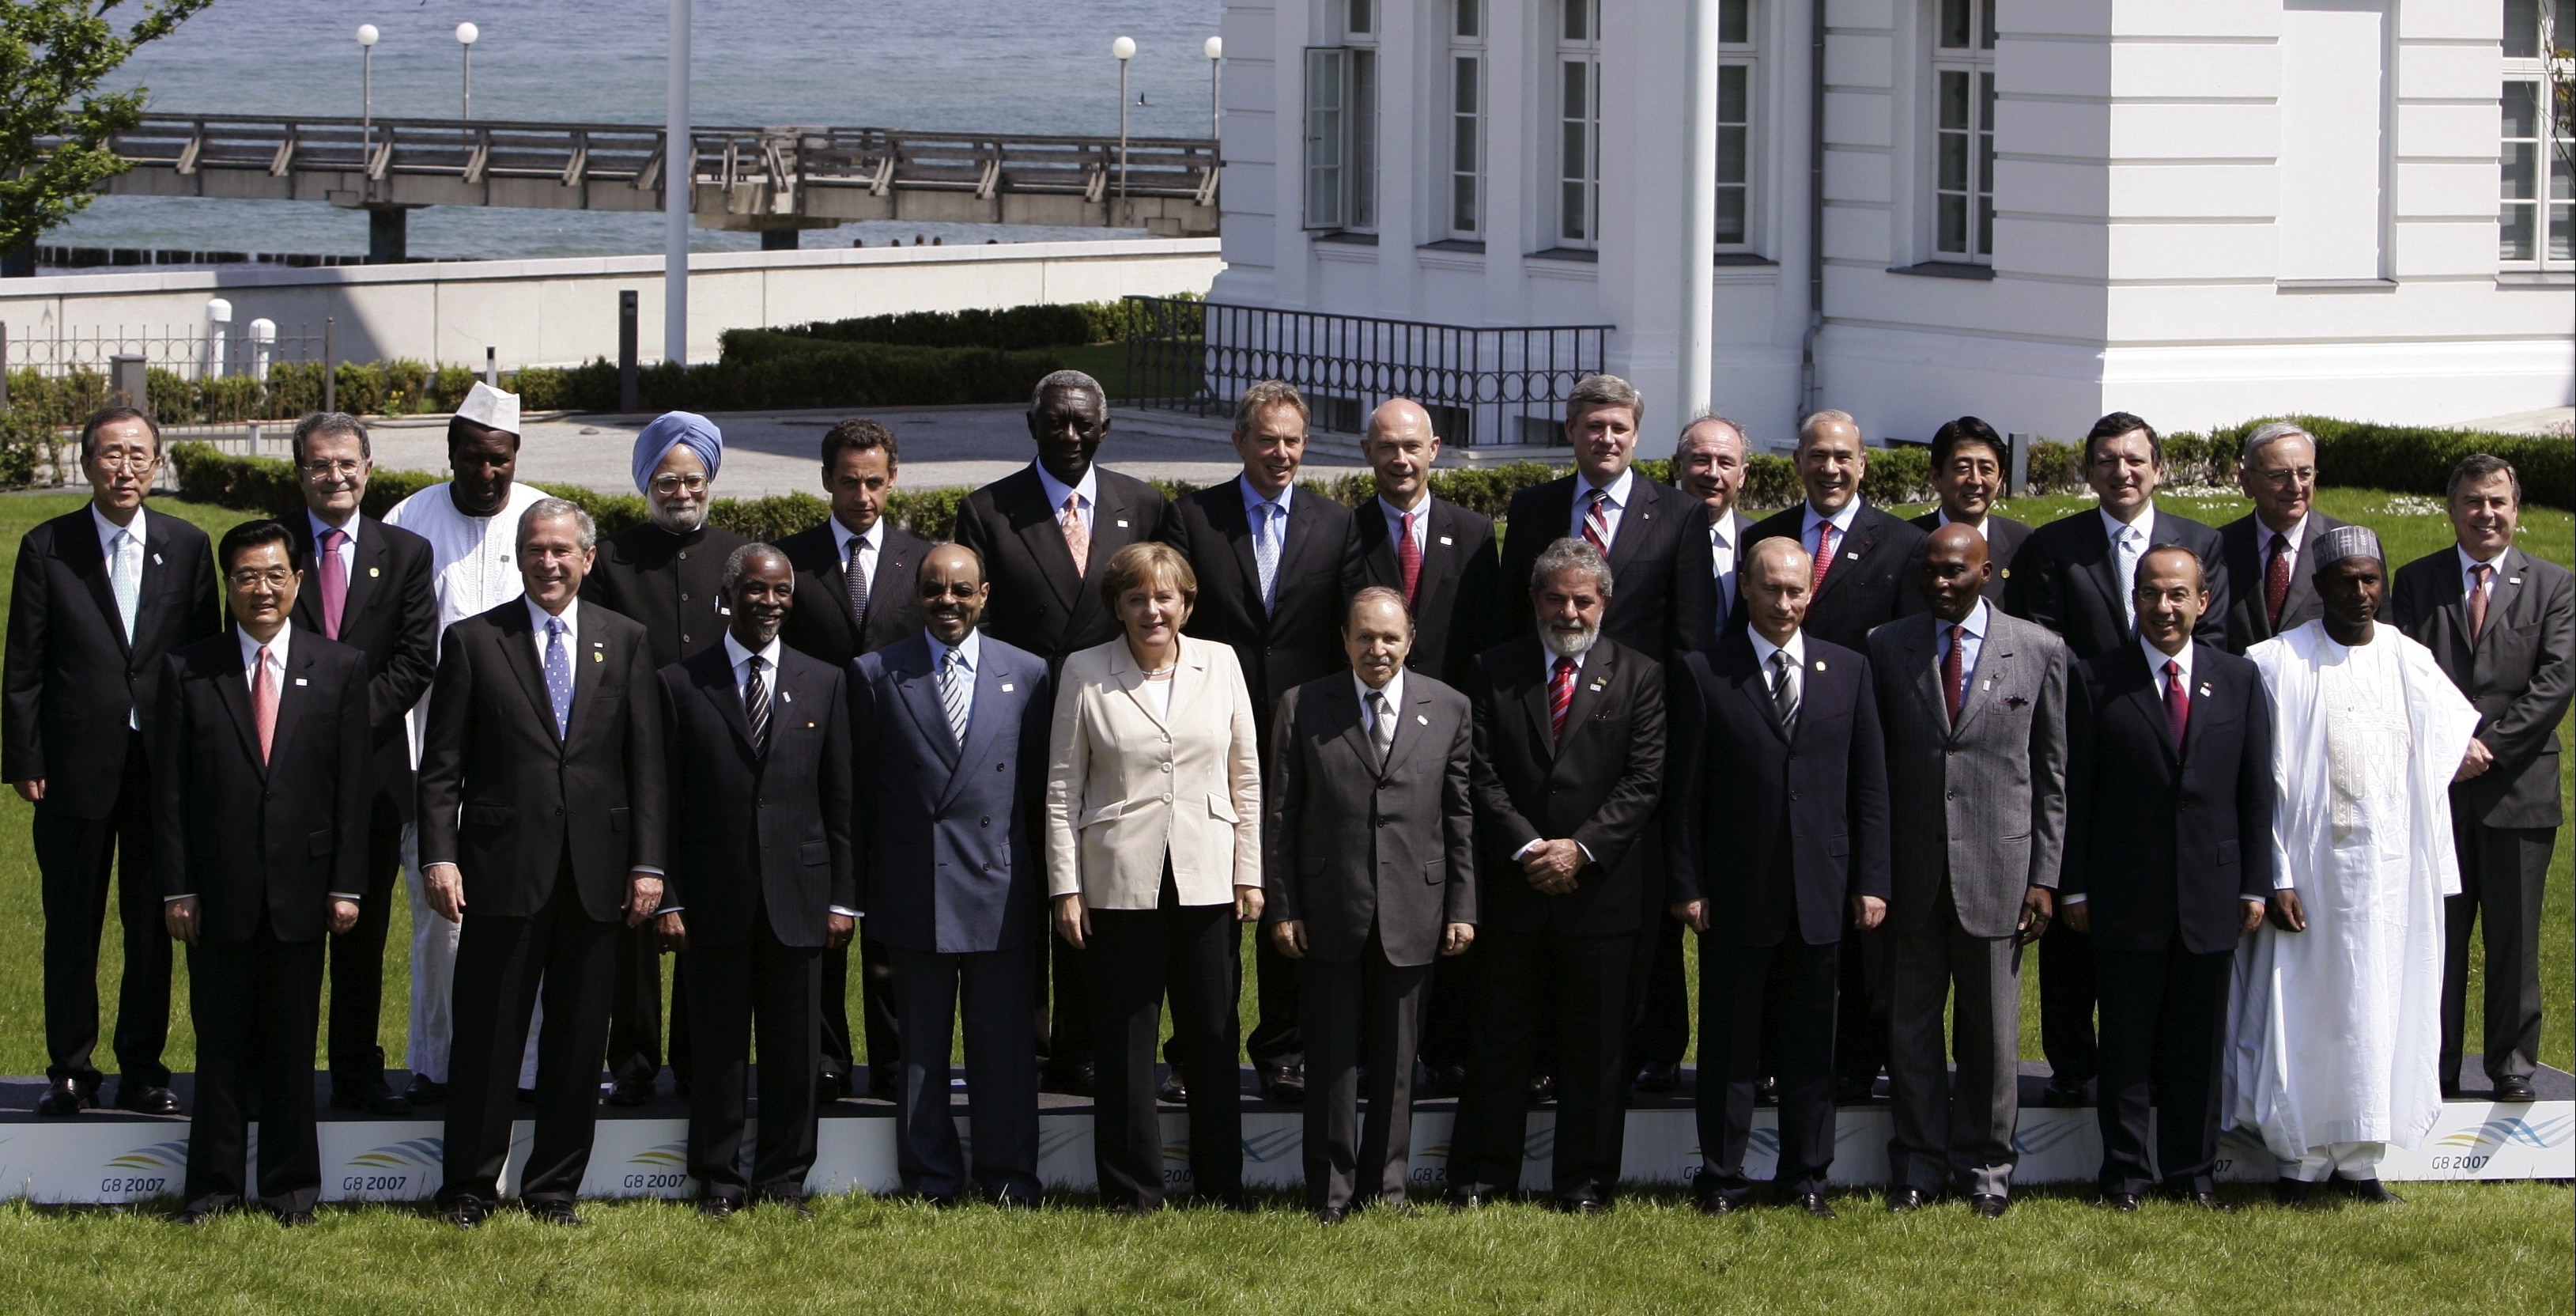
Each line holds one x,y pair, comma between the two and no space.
1386,755
1779,820
1973,704
1269,565
957,722
1044,535
1642,528
368,585
1864,564
761,881
2266,549
262,793
667,573
2075,577
853,596
1441,558
542,830
1569,766
2502,624
2168,863
100,597
1968,464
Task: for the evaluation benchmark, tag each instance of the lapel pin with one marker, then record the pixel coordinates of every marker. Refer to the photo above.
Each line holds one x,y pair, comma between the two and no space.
787,696
1851,557
1421,719
809,726
2204,689
1596,686
301,681
1988,685
2007,573
373,572
156,559
1820,664
598,657
1444,540
1122,525
2513,580
1007,687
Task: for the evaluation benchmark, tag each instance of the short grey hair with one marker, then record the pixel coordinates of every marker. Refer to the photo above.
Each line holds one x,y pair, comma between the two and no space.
1828,416
1263,396
1594,392
2265,435
1378,594
547,509
1681,441
1073,379
739,561
326,423
1570,554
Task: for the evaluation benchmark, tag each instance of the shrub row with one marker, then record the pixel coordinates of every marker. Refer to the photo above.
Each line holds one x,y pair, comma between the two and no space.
782,371
1016,328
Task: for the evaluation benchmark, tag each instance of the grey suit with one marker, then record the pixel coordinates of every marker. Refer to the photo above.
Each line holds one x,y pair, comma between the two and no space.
1375,859
1978,810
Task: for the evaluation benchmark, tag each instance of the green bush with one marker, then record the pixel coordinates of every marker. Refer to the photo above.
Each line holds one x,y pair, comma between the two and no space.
2418,459
1015,328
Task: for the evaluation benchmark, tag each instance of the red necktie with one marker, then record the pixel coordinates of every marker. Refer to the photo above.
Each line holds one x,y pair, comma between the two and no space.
1596,523
2276,579
1408,556
335,581
1824,554
1954,672
1560,696
2177,702
263,702
2478,601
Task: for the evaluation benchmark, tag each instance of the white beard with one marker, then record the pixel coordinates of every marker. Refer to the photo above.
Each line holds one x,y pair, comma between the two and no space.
1565,645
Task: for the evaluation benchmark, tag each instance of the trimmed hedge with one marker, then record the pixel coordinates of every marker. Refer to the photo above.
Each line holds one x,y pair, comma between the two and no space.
765,369
1016,328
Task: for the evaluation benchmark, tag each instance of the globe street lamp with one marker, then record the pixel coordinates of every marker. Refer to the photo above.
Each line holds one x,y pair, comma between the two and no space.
466,33
1215,49
1125,49
367,83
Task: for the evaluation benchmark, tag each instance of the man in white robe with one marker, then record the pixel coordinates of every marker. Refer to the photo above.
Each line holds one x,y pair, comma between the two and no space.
2337,1018
472,525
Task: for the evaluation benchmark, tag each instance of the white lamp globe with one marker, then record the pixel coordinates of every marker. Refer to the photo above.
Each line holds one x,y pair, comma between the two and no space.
1124,48
466,33
366,34
1215,47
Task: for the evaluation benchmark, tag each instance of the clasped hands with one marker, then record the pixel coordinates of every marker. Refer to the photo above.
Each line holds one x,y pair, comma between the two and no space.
1552,867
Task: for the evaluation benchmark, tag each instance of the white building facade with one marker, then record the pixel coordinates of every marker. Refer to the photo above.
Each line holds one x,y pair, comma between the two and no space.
2035,211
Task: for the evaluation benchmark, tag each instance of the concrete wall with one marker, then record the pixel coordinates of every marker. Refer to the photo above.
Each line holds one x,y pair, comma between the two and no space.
564,311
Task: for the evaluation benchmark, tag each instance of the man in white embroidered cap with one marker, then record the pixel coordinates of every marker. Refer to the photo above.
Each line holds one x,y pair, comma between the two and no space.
2337,1018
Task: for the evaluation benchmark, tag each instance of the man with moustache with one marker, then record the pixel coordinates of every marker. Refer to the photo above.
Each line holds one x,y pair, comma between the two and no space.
263,791
761,878
1973,704
1567,777
1779,842
472,526
854,596
100,597
667,573
949,798
542,836
2077,576
1863,563
1044,533
1269,570
1383,754
368,586
1968,464
1441,558
2278,471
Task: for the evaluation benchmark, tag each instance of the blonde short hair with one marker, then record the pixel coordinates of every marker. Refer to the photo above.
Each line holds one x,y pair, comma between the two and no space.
1141,564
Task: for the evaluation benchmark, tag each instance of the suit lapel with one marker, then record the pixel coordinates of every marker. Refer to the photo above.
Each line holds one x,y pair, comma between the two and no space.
919,687
1755,686
1535,699
1234,521
1346,706
2303,585
519,640
589,663
1301,538
1444,552
715,681
232,685
2104,561
2502,590
1994,662
1043,536
1923,656
294,693
1854,545
369,555
2149,696
88,559
982,723
1636,524
1597,670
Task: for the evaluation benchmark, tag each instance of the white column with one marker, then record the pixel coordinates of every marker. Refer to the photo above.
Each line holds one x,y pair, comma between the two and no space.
676,186
1699,210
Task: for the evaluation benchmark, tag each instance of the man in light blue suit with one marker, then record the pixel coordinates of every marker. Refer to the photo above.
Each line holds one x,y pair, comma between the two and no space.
951,729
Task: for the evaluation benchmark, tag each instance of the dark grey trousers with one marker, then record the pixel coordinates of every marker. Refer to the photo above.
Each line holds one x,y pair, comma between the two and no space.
2502,872
1358,1009
1953,1134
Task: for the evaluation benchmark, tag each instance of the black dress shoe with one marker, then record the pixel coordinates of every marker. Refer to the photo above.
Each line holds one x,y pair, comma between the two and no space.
1580,1206
1989,1206
1902,1200
1449,1081
421,1092
1815,1205
2063,1093
629,1092
2292,1192
1659,1077
1716,1204
1285,1085
2367,1190
1173,1090
2124,1203
63,1098
554,1212
794,1202
1766,1092
1542,1089
466,1212
2203,1199
828,1088
718,1207
198,1213
1854,1091
1077,1079
2450,1090
2515,1090
379,1100
1331,1215
884,1081
146,1099
1468,1201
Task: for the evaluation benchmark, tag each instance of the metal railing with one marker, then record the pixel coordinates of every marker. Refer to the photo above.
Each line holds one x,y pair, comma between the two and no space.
1483,386
238,387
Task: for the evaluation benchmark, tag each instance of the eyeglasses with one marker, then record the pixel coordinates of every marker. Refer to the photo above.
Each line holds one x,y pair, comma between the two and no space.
343,467
274,578
668,484
127,461
2289,477
959,590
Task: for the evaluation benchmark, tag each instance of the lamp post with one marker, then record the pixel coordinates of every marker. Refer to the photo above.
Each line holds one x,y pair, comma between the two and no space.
1695,344
677,183
466,33
1215,50
367,85
1125,49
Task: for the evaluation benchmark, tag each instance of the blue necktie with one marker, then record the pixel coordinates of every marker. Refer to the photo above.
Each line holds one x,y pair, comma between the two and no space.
558,676
1265,552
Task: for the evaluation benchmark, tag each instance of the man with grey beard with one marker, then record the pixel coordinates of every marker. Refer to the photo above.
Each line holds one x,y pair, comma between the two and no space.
667,573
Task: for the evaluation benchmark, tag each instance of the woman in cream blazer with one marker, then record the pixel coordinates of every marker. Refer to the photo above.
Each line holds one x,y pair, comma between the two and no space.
1153,854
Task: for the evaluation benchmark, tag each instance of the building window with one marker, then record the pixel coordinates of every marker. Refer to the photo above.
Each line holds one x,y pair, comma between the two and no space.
2536,229
1578,156
1341,124
1963,131
1467,118
1735,123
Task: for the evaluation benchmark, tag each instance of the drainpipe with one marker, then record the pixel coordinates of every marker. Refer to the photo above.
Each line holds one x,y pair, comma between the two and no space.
1807,401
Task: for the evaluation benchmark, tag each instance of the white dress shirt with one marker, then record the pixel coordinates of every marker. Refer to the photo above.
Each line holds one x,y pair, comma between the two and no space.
571,619
1612,510
1057,490
348,550
1421,513
1972,642
2129,542
2297,534
971,653
1721,560
107,533
2469,573
1547,672
1797,651
109,530
1842,523
869,546
1393,690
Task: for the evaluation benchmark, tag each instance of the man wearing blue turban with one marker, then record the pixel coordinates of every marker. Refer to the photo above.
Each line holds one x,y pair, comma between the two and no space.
668,573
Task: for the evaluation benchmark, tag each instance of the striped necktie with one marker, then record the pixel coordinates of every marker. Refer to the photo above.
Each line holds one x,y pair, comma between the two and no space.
858,578
1560,697
755,703
954,689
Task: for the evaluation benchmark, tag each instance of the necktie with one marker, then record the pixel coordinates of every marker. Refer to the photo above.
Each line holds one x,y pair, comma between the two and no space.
1954,672
125,576
1824,555
1265,550
1784,689
953,694
1382,730
2128,562
1408,558
263,702
1560,696
755,704
558,676
2276,579
857,573
1596,522
335,581
1721,561
2177,701
2478,600
1077,539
